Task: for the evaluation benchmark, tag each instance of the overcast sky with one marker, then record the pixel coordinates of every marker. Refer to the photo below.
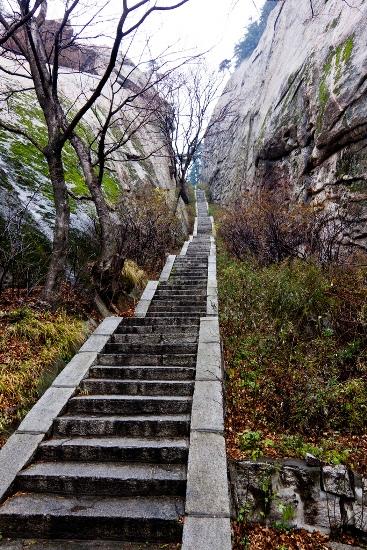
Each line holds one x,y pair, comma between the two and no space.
214,25
198,26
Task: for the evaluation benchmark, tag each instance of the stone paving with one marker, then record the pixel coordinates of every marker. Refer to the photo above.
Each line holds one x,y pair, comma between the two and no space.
105,451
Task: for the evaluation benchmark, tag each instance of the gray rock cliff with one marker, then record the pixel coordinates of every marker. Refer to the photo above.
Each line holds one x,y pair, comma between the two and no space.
299,106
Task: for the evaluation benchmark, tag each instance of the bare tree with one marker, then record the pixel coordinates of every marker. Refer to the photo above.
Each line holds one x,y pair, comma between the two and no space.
43,51
188,118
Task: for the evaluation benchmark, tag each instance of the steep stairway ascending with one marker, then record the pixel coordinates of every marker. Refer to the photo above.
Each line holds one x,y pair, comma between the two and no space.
115,464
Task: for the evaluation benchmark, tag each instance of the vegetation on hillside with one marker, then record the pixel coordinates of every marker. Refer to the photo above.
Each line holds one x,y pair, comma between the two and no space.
34,346
295,344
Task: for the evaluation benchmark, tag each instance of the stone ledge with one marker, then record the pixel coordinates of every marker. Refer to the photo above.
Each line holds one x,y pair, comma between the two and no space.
207,484
209,330
207,533
75,370
142,306
15,455
184,248
166,271
108,326
41,416
209,361
95,343
207,407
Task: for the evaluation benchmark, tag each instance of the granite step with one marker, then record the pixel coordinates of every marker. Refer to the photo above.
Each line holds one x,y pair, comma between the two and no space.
168,425
124,449
87,517
156,360
129,404
107,479
142,373
101,386
149,349
169,339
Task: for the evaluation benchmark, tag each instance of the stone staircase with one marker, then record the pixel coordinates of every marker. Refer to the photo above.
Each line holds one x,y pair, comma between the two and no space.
115,464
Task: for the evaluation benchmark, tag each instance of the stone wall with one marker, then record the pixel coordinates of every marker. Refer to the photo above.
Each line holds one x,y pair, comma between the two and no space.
299,112
293,493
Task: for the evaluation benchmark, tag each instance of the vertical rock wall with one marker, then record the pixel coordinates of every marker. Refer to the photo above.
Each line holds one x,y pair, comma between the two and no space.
299,107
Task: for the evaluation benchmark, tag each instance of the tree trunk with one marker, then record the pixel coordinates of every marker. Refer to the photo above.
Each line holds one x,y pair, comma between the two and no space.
183,192
108,239
61,230
106,272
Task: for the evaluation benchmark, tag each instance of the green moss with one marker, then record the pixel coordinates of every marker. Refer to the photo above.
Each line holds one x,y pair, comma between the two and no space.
348,49
359,186
334,64
111,188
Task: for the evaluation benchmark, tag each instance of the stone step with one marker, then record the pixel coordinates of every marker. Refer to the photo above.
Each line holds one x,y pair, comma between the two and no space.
169,425
195,309
129,404
179,302
179,296
143,373
87,517
169,339
150,349
156,360
173,314
103,479
162,330
142,321
125,449
137,387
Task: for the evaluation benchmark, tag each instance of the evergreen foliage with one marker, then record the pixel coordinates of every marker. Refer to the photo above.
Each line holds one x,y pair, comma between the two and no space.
253,32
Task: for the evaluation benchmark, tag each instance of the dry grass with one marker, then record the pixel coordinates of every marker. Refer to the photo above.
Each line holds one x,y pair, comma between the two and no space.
34,346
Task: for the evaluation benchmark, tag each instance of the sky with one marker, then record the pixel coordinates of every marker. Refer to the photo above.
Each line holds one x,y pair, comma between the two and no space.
203,25
212,26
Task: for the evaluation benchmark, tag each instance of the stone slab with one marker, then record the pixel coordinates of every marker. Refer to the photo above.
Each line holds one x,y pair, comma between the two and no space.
184,248
142,308
166,271
207,483
15,455
206,534
150,290
108,325
195,231
76,370
213,225
40,417
212,301
207,407
209,361
209,330
95,343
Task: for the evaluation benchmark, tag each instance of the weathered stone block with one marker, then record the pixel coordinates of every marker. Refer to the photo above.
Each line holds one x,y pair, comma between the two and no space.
15,455
76,369
209,361
209,330
207,484
108,325
95,343
336,480
206,534
207,407
40,417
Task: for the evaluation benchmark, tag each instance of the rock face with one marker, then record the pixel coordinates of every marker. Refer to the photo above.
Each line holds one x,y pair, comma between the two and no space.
299,106
297,495
23,171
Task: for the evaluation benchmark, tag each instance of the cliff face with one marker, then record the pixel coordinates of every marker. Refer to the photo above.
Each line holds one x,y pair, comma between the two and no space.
24,181
299,107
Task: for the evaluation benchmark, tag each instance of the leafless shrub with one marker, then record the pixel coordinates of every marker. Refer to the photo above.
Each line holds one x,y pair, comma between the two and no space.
148,229
271,228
